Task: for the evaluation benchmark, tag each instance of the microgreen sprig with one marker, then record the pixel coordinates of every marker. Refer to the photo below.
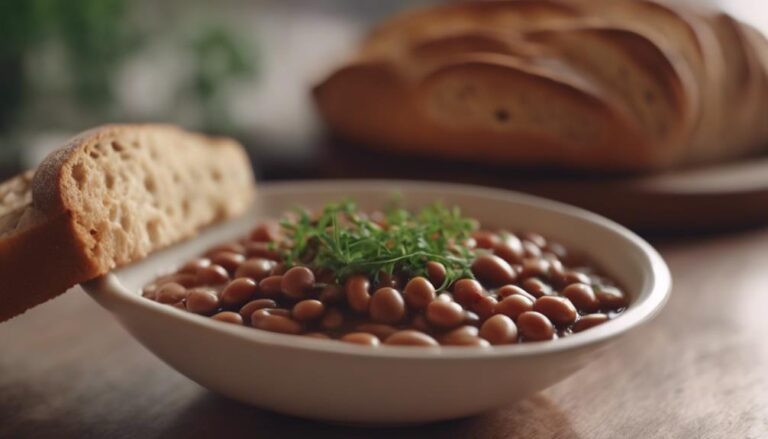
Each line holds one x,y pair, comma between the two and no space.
347,242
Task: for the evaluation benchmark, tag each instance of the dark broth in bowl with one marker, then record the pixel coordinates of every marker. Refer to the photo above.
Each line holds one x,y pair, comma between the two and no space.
426,278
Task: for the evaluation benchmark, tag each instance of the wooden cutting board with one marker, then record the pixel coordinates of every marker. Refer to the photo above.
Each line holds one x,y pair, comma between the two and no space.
704,199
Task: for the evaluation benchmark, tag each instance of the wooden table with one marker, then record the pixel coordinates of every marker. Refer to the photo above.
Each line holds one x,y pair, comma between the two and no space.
700,370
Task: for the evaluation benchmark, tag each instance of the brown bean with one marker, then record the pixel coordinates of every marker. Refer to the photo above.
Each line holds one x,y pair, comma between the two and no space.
559,310
266,232
492,271
212,275
467,291
534,326
558,249
279,312
611,298
468,340
255,249
171,292
308,310
332,319
319,335
409,337
555,266
508,290
277,323
201,301
255,268
535,238
228,317
499,329
536,287
234,247
186,280
485,239
531,250
552,258
248,309
387,306
192,266
471,318
514,305
484,307
239,291
455,336
589,321
418,293
331,294
297,282
278,269
378,329
582,296
150,292
387,280
271,286
419,323
534,267
436,273
358,296
510,249
229,260
573,277
361,338
444,314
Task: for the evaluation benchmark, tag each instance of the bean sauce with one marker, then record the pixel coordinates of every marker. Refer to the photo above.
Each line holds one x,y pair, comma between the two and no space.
516,288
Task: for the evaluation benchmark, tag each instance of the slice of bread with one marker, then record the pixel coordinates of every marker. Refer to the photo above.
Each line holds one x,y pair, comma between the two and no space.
112,196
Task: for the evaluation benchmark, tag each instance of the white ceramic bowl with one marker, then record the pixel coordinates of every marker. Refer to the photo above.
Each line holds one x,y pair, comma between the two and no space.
339,382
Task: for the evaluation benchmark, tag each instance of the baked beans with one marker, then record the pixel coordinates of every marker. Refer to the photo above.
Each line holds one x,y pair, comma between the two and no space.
515,288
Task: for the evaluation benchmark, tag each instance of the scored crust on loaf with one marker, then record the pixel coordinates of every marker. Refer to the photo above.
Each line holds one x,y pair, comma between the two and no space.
112,196
392,37
653,85
684,32
663,65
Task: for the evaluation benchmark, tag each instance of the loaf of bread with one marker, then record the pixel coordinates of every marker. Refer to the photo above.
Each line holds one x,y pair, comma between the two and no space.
112,196
611,85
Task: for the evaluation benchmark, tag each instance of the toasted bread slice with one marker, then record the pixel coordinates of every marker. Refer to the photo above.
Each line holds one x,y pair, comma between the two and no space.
112,196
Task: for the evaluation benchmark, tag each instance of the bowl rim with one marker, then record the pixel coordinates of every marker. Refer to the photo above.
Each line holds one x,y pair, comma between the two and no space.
107,289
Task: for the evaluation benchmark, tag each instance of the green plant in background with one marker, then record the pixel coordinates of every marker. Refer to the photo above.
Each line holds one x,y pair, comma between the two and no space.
92,40
219,58
92,34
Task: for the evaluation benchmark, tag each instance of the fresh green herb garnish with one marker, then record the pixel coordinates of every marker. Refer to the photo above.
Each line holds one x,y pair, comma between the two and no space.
347,242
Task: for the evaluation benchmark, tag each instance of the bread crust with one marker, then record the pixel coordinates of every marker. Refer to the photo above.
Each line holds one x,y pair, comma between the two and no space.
40,263
414,129
65,237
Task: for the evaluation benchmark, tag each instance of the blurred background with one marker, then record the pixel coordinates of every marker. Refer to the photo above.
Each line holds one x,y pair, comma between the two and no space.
235,67
240,68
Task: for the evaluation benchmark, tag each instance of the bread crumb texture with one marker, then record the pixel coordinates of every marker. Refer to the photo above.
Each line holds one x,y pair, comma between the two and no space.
137,190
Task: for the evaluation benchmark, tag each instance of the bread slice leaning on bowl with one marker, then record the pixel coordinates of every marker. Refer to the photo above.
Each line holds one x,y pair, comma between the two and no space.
109,197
